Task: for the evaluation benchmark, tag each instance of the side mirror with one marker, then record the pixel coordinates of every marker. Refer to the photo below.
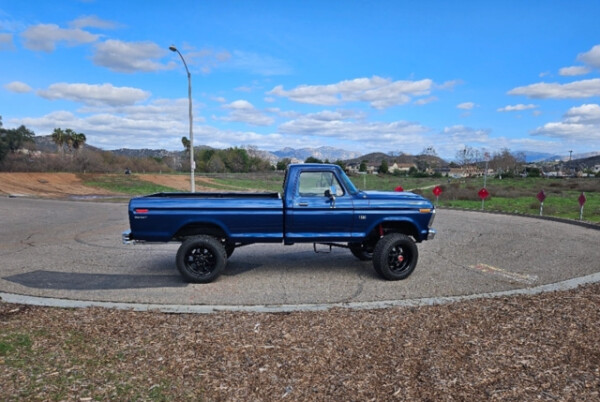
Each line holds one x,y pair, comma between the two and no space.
330,193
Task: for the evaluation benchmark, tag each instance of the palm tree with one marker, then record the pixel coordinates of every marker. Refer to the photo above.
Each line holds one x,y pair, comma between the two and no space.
59,138
78,140
186,143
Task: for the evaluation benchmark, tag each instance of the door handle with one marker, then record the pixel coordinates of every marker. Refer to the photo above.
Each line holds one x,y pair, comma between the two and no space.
303,204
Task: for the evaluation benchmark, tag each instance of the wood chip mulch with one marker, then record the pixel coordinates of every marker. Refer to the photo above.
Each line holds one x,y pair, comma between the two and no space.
544,347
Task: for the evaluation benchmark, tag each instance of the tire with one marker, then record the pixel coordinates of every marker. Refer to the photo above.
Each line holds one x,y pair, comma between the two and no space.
395,256
201,259
361,251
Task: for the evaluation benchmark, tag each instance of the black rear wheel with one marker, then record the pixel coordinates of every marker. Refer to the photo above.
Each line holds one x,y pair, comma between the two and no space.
201,259
395,256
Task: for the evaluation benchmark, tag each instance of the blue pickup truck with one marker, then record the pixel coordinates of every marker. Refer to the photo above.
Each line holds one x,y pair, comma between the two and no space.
319,204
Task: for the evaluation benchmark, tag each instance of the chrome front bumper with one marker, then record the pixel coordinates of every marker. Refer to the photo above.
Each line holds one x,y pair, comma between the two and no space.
431,234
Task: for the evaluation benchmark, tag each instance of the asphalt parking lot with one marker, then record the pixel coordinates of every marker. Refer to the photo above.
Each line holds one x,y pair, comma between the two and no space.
72,251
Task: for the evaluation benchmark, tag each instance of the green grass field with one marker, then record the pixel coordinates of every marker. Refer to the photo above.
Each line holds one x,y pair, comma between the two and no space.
125,184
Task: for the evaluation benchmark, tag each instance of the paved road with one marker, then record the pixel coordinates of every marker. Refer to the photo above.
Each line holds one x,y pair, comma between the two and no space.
72,250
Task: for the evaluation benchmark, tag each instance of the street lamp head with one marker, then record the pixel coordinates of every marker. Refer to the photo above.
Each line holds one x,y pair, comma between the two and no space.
172,48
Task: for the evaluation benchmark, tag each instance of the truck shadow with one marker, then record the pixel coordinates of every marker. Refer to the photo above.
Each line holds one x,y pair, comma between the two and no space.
43,279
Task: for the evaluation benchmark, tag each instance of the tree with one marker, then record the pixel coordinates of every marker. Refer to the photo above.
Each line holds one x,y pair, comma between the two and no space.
504,162
312,159
15,138
215,164
59,138
236,159
429,151
186,144
78,141
11,140
283,164
363,166
466,156
340,163
383,168
73,140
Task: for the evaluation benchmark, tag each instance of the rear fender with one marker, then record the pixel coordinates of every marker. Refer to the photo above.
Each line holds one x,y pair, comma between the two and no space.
201,228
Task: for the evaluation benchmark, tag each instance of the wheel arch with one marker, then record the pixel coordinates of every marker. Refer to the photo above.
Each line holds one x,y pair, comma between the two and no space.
200,228
403,226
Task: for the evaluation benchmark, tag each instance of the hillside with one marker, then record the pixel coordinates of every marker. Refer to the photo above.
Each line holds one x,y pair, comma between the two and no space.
376,158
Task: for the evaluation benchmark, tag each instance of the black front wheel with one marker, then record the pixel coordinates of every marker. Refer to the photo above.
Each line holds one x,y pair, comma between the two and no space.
201,259
395,256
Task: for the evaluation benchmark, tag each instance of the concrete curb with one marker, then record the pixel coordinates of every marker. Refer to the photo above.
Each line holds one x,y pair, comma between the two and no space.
585,224
207,309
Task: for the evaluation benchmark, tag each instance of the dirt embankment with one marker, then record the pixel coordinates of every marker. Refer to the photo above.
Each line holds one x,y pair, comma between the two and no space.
51,185
64,185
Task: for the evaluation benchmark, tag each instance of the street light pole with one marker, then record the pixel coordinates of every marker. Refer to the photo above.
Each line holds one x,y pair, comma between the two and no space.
192,162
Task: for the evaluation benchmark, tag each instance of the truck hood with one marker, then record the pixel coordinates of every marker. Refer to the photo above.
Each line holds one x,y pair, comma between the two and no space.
382,198
391,195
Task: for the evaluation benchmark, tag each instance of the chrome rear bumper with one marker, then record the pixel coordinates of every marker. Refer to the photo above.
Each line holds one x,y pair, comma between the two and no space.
126,237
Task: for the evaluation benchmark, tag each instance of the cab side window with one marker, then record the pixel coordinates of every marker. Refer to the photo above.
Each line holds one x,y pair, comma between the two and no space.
314,184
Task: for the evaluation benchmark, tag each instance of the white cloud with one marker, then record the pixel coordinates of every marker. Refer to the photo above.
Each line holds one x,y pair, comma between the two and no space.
6,41
244,112
206,59
573,71
379,92
591,58
159,125
573,90
18,87
466,106
351,129
94,95
580,123
465,135
129,57
588,113
516,108
425,101
44,37
91,21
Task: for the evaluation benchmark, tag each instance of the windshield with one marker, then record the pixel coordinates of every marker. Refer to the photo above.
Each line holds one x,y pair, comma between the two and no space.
348,184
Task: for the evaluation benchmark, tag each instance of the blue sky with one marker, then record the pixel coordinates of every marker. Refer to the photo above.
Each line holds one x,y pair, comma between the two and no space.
365,76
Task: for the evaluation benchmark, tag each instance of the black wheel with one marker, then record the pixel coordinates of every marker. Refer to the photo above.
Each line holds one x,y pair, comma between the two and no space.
395,256
361,251
201,259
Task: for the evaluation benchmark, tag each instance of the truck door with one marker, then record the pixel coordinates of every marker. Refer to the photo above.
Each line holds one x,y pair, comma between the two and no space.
320,211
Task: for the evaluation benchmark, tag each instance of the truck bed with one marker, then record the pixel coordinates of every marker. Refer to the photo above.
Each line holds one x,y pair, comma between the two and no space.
215,195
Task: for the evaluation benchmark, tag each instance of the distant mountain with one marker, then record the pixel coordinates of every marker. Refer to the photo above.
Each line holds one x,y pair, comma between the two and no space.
585,163
586,155
376,158
265,155
532,157
546,157
145,153
323,153
44,143
590,159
